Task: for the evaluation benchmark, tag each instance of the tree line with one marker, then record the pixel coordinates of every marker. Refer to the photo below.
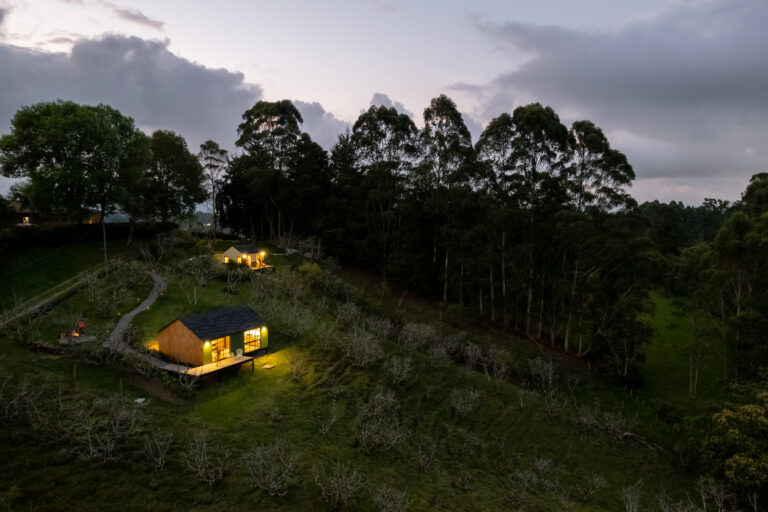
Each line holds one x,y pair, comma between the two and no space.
531,227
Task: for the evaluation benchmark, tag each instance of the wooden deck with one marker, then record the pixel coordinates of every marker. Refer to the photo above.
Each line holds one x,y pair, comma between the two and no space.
199,371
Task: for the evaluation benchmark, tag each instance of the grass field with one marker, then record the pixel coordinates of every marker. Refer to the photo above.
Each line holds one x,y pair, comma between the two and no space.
665,370
28,271
519,446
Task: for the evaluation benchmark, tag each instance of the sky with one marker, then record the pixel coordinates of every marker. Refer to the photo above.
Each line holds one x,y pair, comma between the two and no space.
679,86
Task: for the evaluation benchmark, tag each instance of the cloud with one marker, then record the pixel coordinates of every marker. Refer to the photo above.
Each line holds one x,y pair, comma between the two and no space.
682,93
384,100
322,126
142,79
136,16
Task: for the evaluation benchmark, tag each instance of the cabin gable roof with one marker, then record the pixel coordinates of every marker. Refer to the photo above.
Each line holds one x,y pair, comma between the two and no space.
222,322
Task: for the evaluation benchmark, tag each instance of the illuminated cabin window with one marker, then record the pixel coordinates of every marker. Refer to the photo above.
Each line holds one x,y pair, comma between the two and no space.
25,220
226,259
220,349
239,260
252,340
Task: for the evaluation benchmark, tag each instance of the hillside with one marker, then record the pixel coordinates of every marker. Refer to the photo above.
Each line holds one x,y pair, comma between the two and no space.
478,421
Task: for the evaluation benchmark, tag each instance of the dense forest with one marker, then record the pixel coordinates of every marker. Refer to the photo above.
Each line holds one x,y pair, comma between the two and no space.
531,229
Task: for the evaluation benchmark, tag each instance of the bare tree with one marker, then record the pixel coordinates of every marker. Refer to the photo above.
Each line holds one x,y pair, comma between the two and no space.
464,400
189,291
297,362
234,278
362,348
714,495
103,424
324,425
103,295
592,484
472,355
270,467
415,336
542,374
188,383
378,426
208,463
337,486
398,369
348,315
631,497
426,452
379,326
391,499
156,446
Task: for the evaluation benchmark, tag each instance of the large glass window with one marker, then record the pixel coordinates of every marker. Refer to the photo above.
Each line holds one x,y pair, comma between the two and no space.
220,349
252,340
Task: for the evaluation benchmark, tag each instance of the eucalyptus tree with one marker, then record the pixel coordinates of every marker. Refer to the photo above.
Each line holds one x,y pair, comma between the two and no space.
271,129
214,161
446,155
537,159
269,135
598,175
597,179
385,145
74,156
495,155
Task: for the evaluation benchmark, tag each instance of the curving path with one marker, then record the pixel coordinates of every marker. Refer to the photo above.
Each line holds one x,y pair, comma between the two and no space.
115,341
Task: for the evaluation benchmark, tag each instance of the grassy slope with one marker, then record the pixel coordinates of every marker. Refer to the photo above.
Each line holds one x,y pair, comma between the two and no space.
477,452
665,370
28,271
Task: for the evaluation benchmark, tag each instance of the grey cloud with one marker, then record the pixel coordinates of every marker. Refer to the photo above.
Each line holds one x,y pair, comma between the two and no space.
142,79
136,16
683,94
322,126
384,100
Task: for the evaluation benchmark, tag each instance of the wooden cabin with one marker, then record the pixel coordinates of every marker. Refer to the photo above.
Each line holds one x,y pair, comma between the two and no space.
245,255
210,337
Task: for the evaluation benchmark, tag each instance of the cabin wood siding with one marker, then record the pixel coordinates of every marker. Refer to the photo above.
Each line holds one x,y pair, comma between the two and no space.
181,344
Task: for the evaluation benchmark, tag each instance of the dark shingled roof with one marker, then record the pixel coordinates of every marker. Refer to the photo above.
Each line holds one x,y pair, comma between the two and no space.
247,249
222,322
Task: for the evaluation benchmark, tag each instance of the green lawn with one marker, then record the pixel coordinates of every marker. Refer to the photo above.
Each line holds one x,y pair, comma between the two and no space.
476,457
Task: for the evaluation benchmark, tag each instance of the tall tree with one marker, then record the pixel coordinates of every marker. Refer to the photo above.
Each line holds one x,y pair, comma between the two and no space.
75,156
599,175
175,176
446,147
269,135
385,149
214,160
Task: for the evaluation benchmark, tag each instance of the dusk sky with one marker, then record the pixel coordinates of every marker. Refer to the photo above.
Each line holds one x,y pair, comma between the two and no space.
680,86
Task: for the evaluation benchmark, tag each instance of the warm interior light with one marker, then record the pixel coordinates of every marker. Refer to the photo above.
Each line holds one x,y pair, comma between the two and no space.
226,259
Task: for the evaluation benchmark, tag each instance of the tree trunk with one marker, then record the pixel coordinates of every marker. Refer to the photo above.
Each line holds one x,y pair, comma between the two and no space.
490,278
104,236
541,318
529,305
503,280
131,224
445,283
